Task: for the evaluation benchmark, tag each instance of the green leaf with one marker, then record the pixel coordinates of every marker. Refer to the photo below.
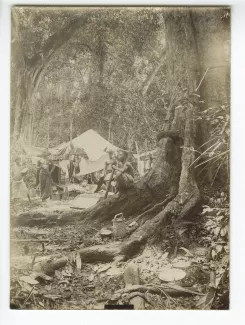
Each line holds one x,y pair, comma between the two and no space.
219,248
223,231
213,253
219,218
219,212
207,209
226,248
216,231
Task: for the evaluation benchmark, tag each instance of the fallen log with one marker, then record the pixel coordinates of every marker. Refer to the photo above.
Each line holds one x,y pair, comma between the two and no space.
39,217
159,290
103,253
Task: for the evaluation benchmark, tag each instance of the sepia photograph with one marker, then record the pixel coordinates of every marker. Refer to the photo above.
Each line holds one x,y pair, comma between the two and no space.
120,158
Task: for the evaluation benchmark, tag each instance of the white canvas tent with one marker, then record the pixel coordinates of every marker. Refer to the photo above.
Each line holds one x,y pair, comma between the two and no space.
93,144
86,166
90,141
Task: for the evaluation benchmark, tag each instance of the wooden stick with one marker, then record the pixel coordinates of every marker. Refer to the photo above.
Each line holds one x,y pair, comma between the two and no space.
109,184
138,156
27,297
211,67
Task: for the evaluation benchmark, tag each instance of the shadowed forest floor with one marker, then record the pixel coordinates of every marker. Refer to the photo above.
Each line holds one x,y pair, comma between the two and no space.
81,285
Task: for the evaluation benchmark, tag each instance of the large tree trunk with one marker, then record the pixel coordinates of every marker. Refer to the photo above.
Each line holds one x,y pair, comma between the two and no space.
172,178
18,79
19,110
214,79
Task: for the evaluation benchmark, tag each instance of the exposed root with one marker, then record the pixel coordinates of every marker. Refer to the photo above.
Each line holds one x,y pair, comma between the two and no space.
153,210
178,291
137,294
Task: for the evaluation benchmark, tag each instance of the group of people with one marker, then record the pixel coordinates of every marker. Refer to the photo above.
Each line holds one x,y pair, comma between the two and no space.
73,169
45,168
117,176
118,173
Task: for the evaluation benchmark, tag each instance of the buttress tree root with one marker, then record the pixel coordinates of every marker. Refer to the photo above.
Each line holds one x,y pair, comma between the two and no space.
172,179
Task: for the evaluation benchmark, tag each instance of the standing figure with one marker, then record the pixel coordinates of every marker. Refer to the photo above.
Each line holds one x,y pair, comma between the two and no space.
70,167
70,164
45,176
124,172
109,163
109,166
19,187
76,169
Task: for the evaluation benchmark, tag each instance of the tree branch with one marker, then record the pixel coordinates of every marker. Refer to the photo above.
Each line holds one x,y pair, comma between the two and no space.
55,41
153,74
